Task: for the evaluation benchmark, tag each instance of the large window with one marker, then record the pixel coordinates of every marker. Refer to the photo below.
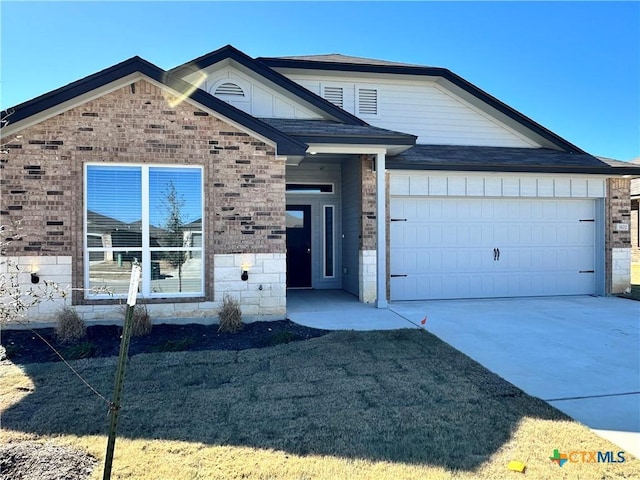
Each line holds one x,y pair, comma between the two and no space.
148,214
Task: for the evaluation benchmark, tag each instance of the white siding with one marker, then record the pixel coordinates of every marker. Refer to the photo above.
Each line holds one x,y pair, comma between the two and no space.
425,109
494,185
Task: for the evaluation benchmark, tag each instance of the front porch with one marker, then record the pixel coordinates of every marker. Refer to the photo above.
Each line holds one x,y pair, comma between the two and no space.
340,310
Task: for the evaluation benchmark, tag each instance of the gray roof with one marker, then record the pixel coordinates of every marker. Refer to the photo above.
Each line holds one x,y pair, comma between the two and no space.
327,131
502,159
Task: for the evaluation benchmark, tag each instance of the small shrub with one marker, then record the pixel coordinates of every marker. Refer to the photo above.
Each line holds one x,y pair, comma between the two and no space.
142,323
230,315
69,326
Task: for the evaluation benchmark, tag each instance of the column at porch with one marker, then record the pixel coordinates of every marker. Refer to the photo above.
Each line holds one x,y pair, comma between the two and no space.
373,263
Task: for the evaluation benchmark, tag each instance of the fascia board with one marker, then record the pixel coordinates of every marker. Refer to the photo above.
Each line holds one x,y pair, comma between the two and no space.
77,93
39,116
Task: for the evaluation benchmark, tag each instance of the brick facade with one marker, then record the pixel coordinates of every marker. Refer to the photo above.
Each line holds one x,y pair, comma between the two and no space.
368,176
617,235
635,231
42,176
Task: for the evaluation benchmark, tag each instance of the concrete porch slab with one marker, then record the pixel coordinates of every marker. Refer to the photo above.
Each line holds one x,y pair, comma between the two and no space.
339,310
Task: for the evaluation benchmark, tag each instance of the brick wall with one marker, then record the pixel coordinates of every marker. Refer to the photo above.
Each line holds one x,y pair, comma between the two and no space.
617,238
635,236
368,234
42,176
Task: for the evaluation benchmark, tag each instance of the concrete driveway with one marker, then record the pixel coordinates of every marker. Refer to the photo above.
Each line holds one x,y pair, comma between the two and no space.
580,354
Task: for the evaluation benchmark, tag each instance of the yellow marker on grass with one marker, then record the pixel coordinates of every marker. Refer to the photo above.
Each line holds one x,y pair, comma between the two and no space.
517,466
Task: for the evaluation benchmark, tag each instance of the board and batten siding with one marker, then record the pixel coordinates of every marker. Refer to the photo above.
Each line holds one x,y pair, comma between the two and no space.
422,108
259,100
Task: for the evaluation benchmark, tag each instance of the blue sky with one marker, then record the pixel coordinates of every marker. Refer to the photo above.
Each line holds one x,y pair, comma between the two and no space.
574,67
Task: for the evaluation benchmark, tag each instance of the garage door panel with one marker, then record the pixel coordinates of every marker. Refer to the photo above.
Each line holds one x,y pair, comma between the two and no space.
446,247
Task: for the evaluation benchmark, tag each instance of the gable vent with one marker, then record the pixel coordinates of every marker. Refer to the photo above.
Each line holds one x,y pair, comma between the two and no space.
334,95
368,101
229,88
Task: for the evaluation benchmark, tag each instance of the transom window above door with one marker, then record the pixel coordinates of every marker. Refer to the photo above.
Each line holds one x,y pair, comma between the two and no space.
309,187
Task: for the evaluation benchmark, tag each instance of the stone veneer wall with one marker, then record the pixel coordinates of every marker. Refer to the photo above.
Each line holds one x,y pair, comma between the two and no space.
367,257
617,237
42,182
263,296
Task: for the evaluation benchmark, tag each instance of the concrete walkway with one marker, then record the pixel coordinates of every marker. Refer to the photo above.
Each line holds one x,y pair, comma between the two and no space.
339,310
580,354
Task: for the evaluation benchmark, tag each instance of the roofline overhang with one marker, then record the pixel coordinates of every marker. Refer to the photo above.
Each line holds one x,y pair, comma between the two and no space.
62,99
428,72
334,147
230,52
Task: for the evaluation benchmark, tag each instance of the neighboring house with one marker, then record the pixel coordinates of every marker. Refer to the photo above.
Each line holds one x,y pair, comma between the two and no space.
389,181
635,227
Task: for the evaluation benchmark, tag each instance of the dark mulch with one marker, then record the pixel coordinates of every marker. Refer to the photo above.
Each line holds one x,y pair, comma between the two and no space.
24,346
36,461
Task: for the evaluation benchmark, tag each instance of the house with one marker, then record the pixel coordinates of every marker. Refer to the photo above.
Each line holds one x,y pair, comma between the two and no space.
251,176
635,227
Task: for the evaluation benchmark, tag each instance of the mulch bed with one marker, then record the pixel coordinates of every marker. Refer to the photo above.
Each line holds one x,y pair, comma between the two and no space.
36,461
24,346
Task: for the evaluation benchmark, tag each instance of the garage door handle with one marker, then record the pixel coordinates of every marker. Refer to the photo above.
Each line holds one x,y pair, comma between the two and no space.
496,254
399,275
498,250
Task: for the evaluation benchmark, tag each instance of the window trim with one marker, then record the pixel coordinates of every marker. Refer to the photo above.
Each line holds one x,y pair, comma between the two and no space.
324,241
146,251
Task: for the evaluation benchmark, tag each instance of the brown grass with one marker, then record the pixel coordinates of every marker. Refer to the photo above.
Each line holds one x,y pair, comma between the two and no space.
356,405
230,315
142,324
68,325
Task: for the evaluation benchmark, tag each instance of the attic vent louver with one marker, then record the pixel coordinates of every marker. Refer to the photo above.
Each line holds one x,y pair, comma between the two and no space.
334,95
229,88
368,101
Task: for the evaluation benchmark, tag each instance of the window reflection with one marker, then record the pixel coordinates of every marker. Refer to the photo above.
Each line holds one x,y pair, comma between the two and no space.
171,199
295,219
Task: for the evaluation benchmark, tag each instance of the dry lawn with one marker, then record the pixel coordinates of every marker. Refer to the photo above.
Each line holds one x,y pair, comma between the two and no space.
350,405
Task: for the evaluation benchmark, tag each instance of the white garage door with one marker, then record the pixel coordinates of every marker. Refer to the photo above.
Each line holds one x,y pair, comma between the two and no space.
484,247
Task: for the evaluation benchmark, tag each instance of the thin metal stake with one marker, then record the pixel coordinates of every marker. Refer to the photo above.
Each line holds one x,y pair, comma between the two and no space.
114,406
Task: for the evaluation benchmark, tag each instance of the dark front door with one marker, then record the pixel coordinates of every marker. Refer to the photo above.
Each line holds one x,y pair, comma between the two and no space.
298,246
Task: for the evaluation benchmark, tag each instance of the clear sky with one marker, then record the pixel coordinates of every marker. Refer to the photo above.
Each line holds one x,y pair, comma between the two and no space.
574,67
